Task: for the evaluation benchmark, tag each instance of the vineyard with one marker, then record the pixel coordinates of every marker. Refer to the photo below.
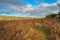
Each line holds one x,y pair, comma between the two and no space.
30,29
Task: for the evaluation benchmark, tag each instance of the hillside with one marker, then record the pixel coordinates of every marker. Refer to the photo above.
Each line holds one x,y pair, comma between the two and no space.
53,28
19,28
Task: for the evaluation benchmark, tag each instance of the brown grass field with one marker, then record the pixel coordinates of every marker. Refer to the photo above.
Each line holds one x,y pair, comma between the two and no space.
21,28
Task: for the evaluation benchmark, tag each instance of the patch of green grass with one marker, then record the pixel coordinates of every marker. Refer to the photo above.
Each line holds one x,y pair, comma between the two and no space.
40,28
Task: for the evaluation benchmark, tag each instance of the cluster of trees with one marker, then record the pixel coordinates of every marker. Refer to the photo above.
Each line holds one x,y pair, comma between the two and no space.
54,15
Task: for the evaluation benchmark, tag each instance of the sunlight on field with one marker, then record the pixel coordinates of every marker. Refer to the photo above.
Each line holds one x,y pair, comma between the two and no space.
27,29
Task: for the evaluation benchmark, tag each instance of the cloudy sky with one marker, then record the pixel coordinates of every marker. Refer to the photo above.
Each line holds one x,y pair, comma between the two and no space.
28,7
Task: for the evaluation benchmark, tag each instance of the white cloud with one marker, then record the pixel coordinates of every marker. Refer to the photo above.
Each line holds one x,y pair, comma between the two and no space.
39,10
26,8
29,8
44,4
58,1
19,8
14,8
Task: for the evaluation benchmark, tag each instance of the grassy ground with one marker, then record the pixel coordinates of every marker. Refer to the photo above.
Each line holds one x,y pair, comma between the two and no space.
20,28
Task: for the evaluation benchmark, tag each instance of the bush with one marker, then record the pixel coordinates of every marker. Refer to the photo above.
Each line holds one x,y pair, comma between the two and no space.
59,15
51,16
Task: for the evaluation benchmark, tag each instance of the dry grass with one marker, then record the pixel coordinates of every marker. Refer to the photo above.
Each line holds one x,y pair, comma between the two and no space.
20,28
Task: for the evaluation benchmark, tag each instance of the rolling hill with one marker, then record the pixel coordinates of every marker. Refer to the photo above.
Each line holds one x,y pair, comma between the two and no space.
21,28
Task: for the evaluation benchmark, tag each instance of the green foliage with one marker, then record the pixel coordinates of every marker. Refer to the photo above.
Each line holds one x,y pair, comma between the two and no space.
59,15
54,15
51,16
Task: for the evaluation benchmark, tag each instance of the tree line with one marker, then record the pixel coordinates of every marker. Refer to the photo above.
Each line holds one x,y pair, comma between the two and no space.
54,15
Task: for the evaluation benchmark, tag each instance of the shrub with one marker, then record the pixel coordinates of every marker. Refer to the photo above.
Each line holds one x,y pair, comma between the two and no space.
59,15
51,16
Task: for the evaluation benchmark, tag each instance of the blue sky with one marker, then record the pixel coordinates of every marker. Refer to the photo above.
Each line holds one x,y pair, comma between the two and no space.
28,7
36,2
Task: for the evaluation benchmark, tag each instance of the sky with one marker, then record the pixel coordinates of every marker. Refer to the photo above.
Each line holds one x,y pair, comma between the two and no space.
28,7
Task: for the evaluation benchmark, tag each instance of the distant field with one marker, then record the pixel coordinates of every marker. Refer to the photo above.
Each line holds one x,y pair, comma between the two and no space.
21,28
15,18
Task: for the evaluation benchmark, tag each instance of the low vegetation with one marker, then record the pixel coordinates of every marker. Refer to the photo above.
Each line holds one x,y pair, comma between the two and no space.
20,28
53,16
